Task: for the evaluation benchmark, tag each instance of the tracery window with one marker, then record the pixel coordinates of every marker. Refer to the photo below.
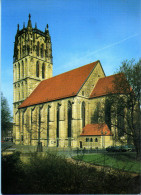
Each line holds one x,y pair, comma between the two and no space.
69,118
37,49
43,71
48,119
83,114
69,123
42,50
120,117
37,69
19,69
108,113
28,49
58,118
22,69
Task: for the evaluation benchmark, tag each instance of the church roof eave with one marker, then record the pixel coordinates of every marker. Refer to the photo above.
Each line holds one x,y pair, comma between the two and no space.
61,86
97,129
47,101
107,86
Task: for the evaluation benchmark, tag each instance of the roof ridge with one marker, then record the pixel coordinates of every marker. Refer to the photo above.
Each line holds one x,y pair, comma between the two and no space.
60,86
111,75
70,70
104,84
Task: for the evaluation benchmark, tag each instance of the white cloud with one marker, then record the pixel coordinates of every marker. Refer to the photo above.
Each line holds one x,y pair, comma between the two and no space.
102,54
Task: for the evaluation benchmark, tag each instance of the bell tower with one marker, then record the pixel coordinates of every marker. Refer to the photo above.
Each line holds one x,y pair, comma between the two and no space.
32,61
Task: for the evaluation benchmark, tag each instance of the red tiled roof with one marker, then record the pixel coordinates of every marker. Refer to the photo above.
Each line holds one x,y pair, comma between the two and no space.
96,129
61,86
109,85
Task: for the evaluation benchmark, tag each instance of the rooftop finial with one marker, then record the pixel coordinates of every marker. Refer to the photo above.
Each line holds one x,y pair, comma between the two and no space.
18,27
29,22
29,16
46,29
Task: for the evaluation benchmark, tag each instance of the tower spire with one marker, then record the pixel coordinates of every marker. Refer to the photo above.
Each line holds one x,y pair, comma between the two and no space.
29,22
18,28
29,16
46,29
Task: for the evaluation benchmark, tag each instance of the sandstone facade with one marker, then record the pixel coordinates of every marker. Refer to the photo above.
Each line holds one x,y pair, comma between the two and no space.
56,122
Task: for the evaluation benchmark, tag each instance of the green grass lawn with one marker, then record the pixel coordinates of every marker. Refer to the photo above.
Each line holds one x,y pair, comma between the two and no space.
120,161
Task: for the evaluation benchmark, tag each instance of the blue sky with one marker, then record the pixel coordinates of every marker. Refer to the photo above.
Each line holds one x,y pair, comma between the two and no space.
82,31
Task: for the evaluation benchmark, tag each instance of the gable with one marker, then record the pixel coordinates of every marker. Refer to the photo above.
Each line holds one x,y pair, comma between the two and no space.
107,86
61,86
91,81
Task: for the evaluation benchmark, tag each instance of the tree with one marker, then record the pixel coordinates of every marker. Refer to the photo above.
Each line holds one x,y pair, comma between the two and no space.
6,118
121,111
126,102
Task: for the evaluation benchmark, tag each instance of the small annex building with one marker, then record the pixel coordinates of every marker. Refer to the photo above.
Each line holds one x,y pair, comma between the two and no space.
96,136
57,111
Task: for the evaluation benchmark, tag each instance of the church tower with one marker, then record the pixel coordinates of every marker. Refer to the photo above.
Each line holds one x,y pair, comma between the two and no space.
32,62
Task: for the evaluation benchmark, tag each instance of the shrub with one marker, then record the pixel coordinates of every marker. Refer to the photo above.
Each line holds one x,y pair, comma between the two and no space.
12,172
49,173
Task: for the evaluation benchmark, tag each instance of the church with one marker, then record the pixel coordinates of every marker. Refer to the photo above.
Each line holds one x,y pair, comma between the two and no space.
56,111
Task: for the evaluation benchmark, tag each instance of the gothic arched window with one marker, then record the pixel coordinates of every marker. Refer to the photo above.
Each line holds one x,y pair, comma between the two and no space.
120,117
28,49
58,118
83,114
42,50
22,69
19,69
37,69
37,49
48,118
43,71
69,123
69,118
108,113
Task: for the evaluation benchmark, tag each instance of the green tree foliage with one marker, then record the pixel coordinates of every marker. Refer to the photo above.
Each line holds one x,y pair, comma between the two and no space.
96,116
122,105
132,72
126,102
5,116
